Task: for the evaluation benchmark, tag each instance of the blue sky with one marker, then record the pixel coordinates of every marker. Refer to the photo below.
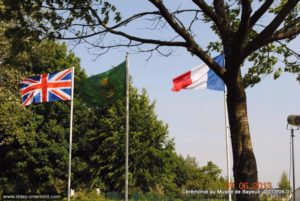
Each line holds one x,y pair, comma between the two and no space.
196,118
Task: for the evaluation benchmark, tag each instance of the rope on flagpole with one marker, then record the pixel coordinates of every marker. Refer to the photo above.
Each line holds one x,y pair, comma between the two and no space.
71,132
127,128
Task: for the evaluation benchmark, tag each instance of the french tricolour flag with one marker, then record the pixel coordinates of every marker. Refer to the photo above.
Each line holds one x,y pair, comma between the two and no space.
200,77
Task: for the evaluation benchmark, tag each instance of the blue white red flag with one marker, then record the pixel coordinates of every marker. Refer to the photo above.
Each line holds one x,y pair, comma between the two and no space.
201,77
47,87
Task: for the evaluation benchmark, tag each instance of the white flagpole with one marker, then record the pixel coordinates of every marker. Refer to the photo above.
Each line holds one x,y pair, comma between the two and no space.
71,131
227,144
127,128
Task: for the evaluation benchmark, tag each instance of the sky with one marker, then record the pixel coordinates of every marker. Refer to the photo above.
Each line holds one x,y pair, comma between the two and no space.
196,117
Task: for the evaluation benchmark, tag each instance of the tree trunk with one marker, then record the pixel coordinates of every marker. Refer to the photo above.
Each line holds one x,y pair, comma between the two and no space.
244,163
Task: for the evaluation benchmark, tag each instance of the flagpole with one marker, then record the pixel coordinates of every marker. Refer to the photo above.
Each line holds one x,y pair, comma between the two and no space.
127,128
227,145
71,132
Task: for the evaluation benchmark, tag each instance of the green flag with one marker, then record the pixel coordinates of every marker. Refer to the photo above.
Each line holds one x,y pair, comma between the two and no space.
106,87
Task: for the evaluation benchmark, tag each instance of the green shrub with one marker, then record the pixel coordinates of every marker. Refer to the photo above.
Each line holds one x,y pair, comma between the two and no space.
88,196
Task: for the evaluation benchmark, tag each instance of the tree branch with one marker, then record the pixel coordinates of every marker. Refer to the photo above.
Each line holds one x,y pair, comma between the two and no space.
128,36
261,38
285,33
260,12
171,20
224,28
220,11
296,54
208,11
241,33
219,18
193,21
170,17
144,40
193,47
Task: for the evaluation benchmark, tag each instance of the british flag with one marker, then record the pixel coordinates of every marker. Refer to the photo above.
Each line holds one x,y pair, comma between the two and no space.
47,87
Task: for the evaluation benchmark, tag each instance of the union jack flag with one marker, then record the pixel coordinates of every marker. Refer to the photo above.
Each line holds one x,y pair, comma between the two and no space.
47,87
